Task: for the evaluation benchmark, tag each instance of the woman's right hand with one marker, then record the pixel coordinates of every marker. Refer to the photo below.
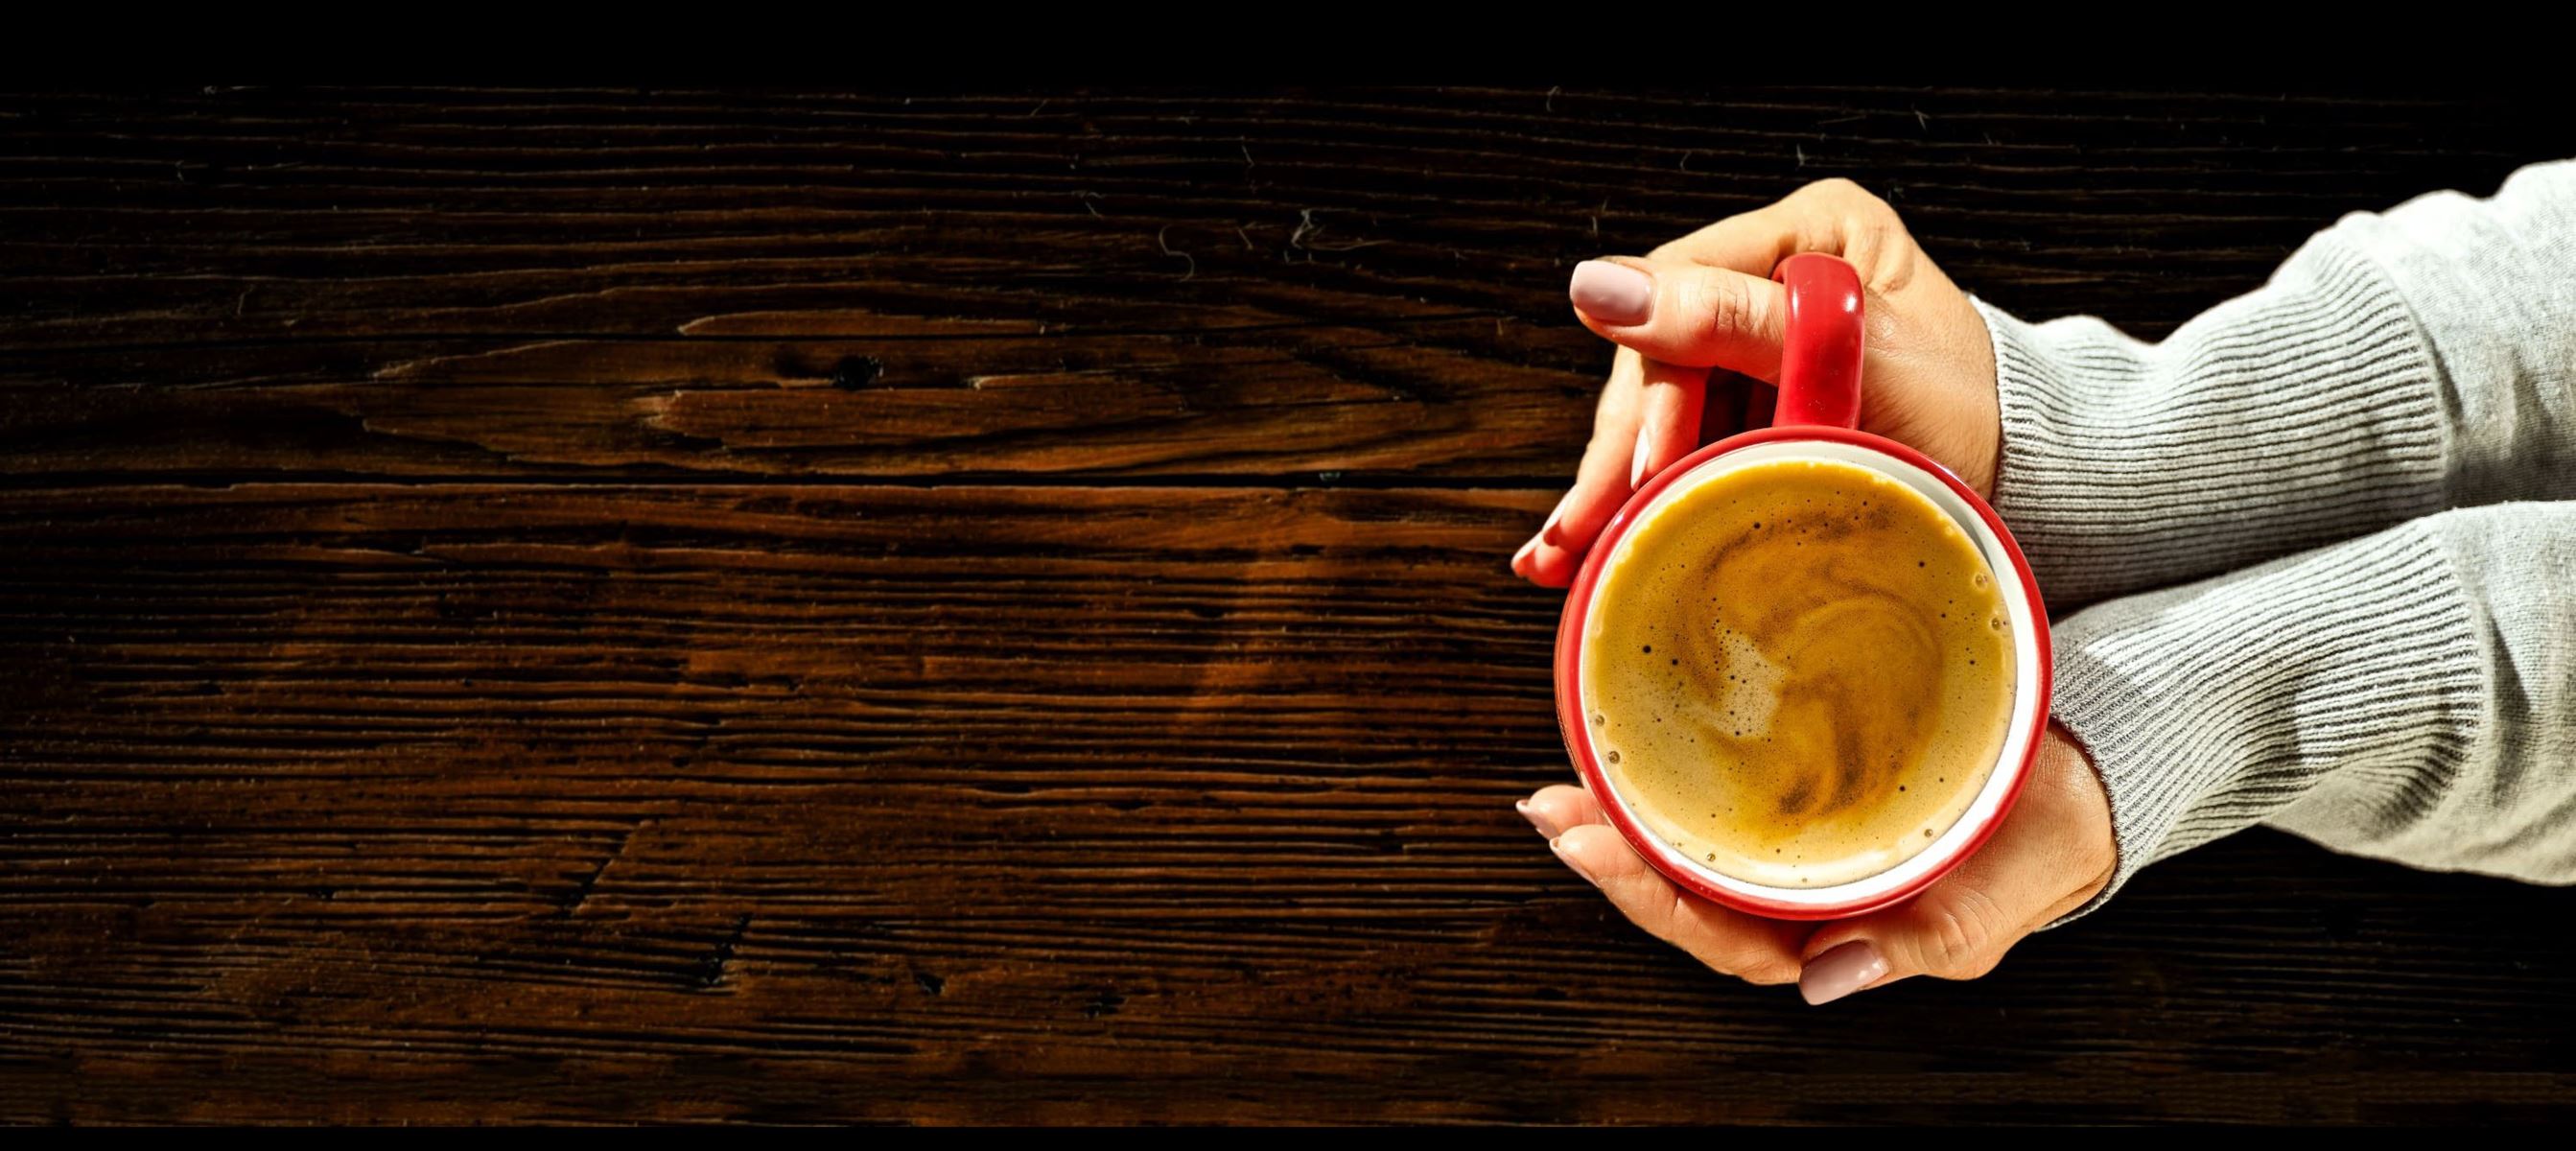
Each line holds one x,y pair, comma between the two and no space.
1706,301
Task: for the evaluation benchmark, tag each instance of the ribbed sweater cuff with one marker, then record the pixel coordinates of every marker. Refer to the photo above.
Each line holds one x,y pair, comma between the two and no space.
2305,412
2210,707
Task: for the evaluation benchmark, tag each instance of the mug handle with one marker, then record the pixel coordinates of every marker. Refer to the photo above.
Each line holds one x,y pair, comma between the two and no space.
1820,351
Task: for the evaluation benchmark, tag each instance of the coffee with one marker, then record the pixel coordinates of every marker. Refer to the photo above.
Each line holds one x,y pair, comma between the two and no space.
1798,672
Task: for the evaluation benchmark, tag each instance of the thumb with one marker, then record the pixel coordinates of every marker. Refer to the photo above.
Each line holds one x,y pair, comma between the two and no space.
2052,854
1684,314
1952,931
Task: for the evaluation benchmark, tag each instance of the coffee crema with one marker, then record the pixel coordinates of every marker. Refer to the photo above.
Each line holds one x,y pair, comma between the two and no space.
1798,672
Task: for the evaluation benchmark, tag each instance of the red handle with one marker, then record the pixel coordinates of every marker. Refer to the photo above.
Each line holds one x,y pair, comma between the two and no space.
1820,358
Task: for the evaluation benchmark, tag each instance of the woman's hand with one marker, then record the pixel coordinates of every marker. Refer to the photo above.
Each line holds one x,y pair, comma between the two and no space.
2052,854
1707,301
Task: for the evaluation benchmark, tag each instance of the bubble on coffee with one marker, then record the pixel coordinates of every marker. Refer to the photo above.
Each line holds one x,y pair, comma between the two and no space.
1798,672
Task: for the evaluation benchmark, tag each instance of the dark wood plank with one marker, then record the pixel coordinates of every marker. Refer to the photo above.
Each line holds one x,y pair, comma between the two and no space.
464,283
427,802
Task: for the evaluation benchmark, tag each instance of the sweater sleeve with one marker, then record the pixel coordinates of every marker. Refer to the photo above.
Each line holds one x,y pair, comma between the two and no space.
2397,364
2408,696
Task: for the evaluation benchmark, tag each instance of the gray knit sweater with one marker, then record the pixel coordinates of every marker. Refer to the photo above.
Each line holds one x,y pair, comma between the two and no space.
2395,674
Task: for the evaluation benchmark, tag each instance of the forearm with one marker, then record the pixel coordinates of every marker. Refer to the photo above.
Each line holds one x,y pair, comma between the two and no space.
2408,696
2396,365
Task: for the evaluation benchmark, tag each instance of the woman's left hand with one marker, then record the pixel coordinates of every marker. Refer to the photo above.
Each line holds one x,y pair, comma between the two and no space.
2053,853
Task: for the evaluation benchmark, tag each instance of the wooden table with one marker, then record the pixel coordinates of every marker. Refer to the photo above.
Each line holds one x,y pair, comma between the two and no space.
600,605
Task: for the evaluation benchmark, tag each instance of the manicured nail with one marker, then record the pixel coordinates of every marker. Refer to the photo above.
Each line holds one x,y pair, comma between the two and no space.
1637,464
1530,812
1554,515
1557,845
1841,971
1612,293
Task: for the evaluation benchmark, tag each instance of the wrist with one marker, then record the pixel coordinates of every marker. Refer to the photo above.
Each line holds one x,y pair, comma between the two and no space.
2065,797
2208,708
2095,853
1984,423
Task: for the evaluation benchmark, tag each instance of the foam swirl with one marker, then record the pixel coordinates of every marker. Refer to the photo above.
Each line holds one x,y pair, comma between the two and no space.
1806,669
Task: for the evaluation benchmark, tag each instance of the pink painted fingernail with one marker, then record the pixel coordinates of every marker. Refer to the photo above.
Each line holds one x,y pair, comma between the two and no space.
1552,516
1557,845
1612,293
1530,812
1841,971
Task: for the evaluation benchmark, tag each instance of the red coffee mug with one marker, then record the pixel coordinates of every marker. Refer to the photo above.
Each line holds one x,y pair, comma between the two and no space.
1818,408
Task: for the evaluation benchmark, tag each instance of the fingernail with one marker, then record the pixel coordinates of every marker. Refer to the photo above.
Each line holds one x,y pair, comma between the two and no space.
1612,293
1522,556
1637,464
1554,515
1557,845
1530,812
1840,972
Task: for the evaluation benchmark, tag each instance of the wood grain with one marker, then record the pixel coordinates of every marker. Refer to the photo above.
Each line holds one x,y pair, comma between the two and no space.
599,606
444,283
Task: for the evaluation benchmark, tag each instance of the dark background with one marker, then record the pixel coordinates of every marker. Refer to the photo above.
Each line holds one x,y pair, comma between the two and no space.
615,605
